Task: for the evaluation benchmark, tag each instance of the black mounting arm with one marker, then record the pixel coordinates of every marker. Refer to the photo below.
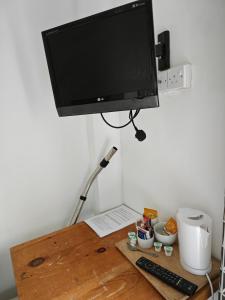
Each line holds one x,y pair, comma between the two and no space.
162,50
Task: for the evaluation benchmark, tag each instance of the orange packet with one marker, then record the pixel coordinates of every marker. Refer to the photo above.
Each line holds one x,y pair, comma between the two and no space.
150,213
171,226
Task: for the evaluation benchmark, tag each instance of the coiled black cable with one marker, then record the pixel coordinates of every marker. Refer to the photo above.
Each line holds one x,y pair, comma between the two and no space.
131,117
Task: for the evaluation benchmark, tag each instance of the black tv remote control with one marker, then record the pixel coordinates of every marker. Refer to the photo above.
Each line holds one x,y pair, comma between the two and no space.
179,283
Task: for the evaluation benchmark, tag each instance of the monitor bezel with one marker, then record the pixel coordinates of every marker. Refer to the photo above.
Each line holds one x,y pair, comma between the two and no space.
110,103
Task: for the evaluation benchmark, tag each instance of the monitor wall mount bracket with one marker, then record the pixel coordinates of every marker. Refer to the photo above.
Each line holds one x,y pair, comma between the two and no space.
162,50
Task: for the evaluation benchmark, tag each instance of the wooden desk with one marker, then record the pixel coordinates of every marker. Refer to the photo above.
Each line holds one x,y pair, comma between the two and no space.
74,264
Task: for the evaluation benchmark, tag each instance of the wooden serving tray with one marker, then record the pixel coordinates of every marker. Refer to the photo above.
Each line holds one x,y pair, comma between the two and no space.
171,263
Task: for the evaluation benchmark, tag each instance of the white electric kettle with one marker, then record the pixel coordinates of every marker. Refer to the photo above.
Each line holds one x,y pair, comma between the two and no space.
195,240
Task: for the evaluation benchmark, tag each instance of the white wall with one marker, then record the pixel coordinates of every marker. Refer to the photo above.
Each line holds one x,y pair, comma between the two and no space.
44,159
182,163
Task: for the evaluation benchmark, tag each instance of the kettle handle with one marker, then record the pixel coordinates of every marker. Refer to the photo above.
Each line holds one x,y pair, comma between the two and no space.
204,235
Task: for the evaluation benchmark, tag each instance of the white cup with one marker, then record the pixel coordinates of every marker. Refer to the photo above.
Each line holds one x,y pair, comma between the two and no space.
145,244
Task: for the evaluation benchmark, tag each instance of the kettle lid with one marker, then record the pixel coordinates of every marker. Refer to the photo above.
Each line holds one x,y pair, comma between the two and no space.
193,217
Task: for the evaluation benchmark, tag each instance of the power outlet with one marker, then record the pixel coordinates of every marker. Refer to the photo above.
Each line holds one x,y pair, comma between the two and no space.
175,79
162,80
179,77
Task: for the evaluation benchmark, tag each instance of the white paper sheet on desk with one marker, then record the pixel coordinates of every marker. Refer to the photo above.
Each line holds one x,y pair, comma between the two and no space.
113,220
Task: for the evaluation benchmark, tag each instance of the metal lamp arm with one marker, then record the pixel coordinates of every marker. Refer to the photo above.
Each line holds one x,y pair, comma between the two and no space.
103,164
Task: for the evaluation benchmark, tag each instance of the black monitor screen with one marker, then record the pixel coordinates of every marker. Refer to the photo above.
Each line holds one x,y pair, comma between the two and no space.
103,59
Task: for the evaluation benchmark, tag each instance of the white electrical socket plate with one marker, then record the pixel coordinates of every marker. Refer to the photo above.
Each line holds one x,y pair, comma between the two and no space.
175,79
163,80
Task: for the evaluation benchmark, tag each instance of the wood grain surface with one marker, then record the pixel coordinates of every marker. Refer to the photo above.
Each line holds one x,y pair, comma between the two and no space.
74,263
172,264
75,267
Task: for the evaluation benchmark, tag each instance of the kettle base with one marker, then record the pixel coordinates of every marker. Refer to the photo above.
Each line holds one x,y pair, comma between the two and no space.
200,272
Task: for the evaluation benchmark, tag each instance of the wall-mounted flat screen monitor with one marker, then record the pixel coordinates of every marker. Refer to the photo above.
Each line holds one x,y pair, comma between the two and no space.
105,62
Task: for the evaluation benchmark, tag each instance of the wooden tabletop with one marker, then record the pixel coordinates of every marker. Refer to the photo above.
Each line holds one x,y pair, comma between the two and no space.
74,263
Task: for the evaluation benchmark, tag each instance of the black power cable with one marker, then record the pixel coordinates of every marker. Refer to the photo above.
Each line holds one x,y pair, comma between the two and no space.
131,117
140,134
